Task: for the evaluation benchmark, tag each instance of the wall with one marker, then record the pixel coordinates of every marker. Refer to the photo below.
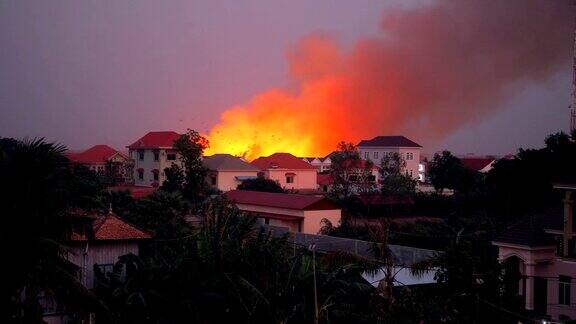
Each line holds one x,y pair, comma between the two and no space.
313,219
367,153
99,253
148,164
226,180
304,179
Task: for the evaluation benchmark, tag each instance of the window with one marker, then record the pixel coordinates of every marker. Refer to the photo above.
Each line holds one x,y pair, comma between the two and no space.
267,221
366,155
409,156
289,179
156,155
141,155
213,180
141,174
375,155
564,290
156,176
411,174
171,156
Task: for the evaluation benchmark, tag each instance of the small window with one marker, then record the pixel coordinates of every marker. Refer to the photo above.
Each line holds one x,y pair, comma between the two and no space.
564,290
141,174
366,155
409,156
267,221
171,156
375,155
213,180
156,176
156,155
141,155
411,173
289,179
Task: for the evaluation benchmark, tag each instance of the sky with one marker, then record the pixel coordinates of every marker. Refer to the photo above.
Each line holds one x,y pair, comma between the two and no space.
91,72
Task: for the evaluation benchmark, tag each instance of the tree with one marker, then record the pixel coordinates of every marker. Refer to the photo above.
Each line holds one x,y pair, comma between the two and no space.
260,184
447,172
394,181
175,179
191,147
38,188
350,174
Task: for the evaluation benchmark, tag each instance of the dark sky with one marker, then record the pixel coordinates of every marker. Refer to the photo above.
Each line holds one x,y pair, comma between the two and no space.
91,72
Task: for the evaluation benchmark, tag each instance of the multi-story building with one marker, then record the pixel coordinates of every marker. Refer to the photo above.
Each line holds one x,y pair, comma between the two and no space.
105,160
381,146
152,154
322,164
290,172
226,172
539,258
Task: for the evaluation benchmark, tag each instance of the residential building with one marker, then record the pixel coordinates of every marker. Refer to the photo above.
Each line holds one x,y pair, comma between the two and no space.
105,160
226,172
360,180
290,172
297,213
108,238
539,255
322,164
381,146
481,164
152,154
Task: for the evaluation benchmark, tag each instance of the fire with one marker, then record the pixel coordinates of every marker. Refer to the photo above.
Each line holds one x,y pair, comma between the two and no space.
432,70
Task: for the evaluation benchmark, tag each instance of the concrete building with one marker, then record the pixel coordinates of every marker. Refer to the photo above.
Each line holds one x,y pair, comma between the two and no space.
322,164
105,160
379,147
297,213
290,172
226,172
539,255
152,154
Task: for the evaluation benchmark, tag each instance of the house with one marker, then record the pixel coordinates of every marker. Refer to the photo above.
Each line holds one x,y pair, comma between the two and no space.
105,160
106,238
290,171
152,154
322,164
298,213
357,175
379,147
481,164
539,257
226,172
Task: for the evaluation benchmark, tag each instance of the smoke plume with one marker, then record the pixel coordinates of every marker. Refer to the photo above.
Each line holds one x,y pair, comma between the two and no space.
430,71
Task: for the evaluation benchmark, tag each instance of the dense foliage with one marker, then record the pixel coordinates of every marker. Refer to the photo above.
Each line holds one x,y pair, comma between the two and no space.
261,184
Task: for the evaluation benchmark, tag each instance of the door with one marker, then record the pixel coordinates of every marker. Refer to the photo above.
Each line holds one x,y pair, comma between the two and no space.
540,295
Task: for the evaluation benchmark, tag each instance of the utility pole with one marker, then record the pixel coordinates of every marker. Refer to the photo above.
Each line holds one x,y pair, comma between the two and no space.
313,248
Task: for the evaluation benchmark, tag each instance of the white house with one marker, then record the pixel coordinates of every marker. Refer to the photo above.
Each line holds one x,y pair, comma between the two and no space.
103,159
226,172
290,172
379,147
322,164
152,154
297,213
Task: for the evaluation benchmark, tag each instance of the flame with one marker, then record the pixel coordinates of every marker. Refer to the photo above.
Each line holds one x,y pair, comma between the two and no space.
432,70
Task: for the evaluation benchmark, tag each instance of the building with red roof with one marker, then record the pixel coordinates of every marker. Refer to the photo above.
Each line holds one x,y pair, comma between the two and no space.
479,164
290,172
152,154
297,213
104,159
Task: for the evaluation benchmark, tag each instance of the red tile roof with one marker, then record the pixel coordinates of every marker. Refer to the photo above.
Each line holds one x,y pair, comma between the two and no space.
476,163
112,228
156,140
389,141
280,200
282,161
95,154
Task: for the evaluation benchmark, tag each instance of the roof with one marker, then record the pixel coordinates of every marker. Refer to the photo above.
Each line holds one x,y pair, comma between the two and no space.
112,228
530,231
282,161
223,162
389,141
476,163
136,192
280,200
95,154
156,140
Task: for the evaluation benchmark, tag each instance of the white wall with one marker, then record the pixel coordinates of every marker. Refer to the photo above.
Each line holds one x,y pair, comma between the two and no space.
368,153
304,179
148,164
226,180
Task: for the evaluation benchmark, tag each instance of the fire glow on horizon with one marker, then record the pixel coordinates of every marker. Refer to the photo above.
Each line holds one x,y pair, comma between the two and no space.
432,70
